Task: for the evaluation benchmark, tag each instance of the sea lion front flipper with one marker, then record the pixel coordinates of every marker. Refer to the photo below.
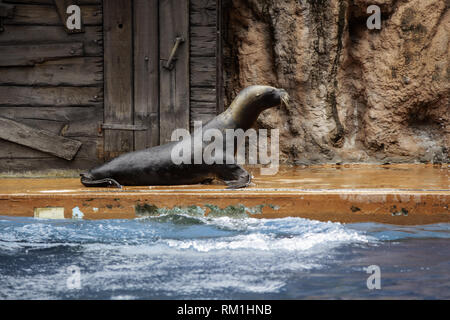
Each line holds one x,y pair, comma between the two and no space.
234,176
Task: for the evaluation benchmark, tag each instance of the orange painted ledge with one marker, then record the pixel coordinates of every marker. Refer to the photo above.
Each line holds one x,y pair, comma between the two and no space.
394,194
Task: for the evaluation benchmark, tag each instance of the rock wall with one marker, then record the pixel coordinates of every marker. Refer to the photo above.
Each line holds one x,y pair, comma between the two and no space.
357,95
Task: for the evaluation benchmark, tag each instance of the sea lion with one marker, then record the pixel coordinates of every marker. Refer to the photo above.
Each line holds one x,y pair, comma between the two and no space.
154,166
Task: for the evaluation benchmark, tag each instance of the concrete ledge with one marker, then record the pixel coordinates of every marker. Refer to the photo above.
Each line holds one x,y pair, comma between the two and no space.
400,194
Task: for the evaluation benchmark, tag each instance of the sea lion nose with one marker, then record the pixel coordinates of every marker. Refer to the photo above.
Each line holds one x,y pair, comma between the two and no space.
284,97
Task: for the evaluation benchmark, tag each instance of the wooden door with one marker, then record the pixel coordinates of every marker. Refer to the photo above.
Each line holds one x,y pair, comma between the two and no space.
146,95
74,99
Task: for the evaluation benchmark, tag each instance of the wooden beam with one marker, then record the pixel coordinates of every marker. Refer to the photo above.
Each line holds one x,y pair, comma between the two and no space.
118,37
80,72
319,193
21,96
128,127
29,55
41,140
92,38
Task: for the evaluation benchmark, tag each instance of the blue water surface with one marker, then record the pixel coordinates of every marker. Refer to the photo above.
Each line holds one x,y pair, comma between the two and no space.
189,257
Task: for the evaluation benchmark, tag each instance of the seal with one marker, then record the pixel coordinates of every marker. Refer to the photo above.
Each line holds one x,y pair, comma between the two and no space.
154,166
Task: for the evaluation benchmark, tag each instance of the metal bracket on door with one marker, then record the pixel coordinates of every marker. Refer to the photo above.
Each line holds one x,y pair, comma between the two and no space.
119,126
169,65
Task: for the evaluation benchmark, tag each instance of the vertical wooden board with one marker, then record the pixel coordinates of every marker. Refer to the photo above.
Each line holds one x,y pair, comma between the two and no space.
220,90
118,28
146,73
174,84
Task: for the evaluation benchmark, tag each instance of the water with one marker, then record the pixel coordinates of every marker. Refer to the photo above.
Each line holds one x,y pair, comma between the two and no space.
191,257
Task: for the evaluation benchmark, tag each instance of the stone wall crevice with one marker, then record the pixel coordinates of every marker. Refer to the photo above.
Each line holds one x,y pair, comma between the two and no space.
357,95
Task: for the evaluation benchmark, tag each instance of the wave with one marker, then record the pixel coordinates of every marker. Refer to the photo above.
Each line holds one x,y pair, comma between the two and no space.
179,255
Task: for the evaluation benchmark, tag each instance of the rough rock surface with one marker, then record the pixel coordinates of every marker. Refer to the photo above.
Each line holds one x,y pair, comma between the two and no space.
357,95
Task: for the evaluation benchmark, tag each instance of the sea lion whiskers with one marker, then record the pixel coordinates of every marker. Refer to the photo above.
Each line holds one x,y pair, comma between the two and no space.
285,99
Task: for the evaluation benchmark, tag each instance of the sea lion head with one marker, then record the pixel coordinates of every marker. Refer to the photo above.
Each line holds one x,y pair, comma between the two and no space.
253,100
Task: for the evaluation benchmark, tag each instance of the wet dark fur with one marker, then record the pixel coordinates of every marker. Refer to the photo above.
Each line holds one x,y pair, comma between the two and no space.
154,166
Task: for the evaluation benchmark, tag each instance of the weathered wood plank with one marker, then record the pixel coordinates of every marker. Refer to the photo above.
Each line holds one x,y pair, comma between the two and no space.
204,118
174,84
65,121
198,5
92,38
203,12
50,96
47,15
61,8
203,71
10,150
118,29
63,72
199,107
203,41
146,73
202,111
21,165
29,55
51,2
203,95
41,140
6,10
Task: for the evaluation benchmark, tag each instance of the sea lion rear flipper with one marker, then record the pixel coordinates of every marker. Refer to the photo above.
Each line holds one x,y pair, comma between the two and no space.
107,182
235,176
